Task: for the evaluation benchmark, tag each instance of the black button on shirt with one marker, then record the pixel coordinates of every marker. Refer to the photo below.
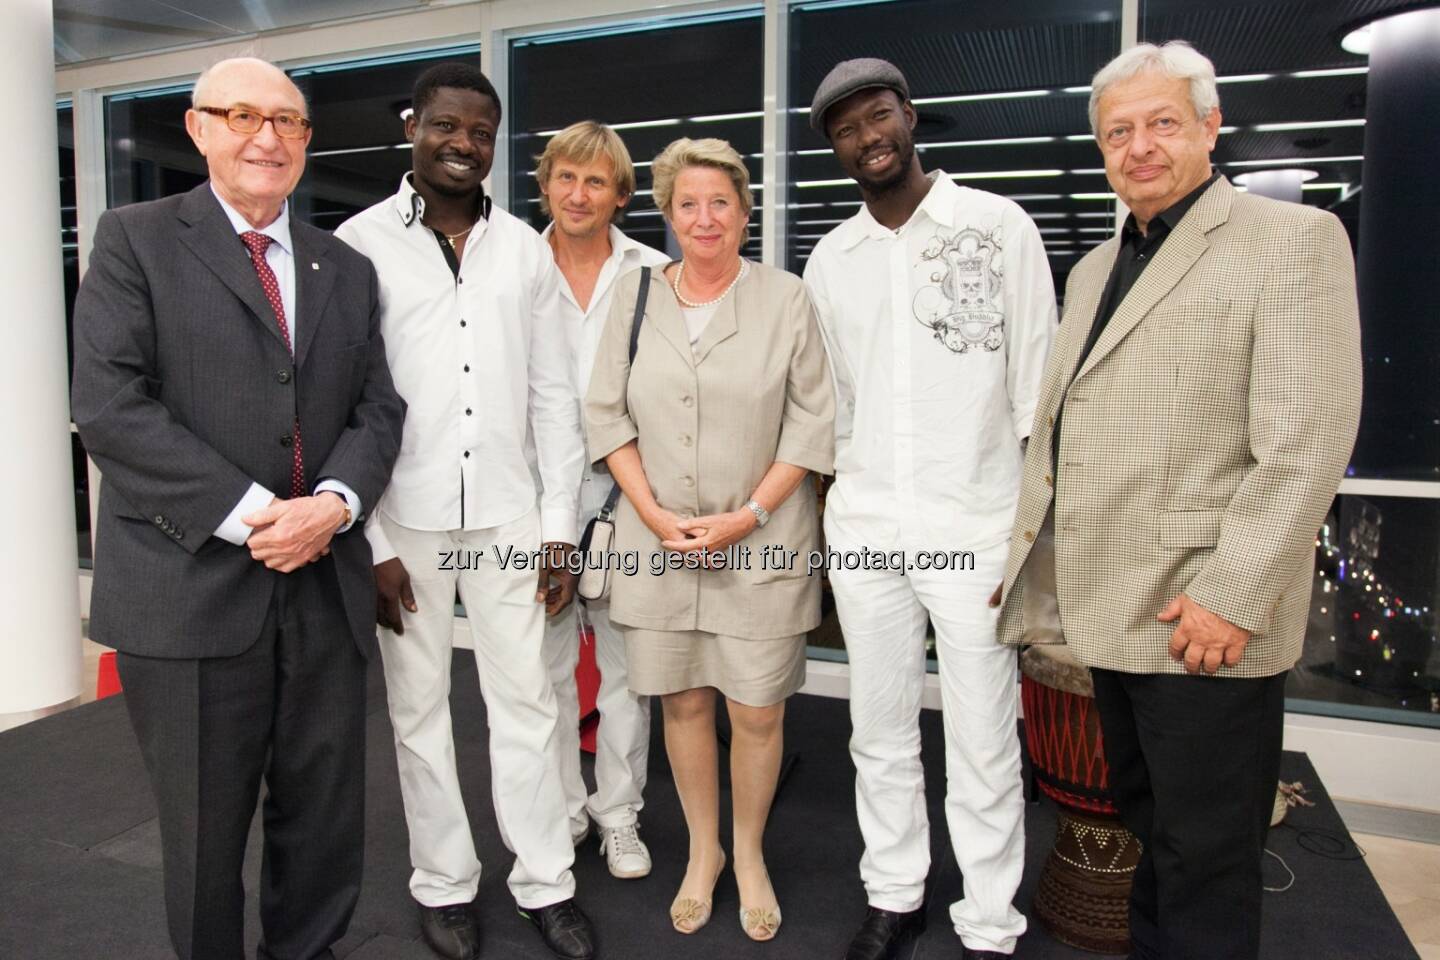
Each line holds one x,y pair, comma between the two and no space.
1136,251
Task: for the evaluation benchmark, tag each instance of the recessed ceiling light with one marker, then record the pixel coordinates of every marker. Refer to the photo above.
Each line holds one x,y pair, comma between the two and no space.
1357,41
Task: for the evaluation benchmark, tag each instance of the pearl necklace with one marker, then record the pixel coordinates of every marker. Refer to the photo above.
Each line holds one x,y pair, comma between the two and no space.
680,272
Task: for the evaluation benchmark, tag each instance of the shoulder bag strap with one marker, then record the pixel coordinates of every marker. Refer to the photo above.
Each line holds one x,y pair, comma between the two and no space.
608,511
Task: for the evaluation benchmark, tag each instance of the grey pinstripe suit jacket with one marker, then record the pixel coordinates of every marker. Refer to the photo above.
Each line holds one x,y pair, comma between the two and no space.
1203,439
183,389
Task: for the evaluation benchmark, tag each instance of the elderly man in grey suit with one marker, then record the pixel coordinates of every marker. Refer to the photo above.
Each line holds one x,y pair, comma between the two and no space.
1197,413
231,383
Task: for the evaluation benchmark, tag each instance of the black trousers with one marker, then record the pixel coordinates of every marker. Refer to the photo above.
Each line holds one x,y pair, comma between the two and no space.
1193,765
291,709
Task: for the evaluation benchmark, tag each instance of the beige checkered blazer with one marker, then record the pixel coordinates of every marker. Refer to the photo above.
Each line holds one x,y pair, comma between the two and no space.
1203,439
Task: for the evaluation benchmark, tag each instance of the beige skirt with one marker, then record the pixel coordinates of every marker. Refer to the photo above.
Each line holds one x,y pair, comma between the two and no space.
757,673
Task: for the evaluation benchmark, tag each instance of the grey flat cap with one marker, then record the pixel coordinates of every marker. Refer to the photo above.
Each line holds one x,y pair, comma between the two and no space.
849,76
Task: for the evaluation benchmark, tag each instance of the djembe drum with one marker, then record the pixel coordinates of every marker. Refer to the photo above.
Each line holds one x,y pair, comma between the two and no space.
1083,897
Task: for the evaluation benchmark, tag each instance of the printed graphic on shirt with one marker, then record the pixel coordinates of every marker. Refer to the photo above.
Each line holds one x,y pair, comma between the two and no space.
961,301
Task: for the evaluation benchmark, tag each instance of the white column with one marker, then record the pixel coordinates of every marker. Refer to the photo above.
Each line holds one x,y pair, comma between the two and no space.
776,123
40,644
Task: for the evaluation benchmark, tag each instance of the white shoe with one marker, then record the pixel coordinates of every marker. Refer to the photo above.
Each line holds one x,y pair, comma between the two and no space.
625,853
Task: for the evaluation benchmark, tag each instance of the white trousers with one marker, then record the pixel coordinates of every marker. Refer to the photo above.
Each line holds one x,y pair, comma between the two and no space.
507,628
883,615
622,743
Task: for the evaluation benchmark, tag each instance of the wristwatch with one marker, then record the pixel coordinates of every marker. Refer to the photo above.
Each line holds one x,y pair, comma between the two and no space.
762,516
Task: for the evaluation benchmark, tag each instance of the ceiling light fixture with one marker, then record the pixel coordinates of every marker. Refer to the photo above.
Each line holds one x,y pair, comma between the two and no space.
715,117
968,97
1309,125
1293,161
1006,141
1336,72
1005,174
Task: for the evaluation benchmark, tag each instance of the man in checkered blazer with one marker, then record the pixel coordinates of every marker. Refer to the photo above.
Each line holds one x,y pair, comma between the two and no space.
1198,409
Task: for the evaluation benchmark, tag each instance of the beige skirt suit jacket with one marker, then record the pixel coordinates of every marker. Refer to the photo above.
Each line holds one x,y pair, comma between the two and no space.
709,422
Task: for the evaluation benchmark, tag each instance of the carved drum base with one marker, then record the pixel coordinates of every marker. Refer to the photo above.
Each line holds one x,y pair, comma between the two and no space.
1083,898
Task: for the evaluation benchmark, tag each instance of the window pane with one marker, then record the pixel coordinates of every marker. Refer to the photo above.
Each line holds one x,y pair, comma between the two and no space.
1033,147
358,152
356,156
1005,121
655,81
1293,99
148,154
1282,116
70,257
1370,652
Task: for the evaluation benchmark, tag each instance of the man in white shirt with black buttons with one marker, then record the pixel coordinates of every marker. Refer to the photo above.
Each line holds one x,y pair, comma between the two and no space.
938,308
586,177
470,301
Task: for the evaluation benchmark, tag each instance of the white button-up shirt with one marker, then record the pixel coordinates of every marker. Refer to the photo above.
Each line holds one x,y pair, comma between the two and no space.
583,327
483,360
280,256
937,335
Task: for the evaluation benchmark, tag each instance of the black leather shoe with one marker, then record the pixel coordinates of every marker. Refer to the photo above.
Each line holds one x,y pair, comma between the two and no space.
884,932
565,929
451,931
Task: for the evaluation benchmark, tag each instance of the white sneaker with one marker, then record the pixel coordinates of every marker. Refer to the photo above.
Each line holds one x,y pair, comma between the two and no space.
625,853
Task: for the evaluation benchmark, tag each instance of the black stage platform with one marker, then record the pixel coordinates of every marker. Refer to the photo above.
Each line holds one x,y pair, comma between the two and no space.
80,858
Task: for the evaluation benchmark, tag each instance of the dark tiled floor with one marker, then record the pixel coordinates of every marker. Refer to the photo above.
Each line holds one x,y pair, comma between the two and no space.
79,857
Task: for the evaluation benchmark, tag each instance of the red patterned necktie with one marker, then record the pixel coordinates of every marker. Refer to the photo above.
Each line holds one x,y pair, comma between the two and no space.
257,243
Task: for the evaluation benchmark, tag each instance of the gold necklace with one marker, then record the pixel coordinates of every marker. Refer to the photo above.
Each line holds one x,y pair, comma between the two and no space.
450,238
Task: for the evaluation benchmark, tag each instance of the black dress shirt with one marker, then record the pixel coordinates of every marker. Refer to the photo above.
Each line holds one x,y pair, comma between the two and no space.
1136,251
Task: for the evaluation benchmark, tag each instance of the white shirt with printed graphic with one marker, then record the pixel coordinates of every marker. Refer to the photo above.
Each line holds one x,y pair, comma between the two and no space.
937,335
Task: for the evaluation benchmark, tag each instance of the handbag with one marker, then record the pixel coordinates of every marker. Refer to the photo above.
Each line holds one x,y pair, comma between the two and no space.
598,540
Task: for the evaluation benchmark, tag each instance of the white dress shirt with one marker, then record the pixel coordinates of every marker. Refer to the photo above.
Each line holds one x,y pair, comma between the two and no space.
583,327
937,335
483,360
280,255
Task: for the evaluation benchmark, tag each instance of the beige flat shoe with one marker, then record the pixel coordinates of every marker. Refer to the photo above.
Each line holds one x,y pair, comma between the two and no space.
760,925
688,914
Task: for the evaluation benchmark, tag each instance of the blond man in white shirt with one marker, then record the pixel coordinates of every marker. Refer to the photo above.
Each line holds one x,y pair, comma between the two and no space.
938,308
470,300
586,178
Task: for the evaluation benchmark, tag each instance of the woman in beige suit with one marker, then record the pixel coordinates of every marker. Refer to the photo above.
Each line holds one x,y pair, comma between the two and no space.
711,437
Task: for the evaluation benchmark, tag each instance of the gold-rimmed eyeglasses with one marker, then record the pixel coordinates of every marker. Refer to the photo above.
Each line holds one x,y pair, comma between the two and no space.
288,125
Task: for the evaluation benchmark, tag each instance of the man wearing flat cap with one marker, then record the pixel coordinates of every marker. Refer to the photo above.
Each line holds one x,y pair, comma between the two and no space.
937,307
